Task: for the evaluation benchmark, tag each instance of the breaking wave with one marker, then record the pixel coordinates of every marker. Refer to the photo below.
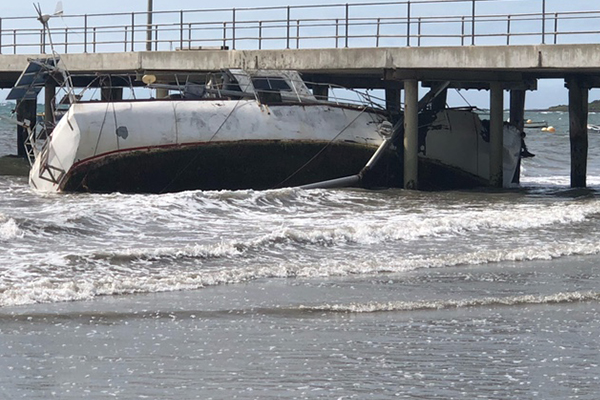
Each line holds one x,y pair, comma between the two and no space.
373,307
104,280
99,245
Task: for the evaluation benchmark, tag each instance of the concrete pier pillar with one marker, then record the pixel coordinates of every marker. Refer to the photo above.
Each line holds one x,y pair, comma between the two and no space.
26,110
439,102
49,104
393,102
517,118
321,92
162,93
411,133
496,135
578,120
111,93
517,108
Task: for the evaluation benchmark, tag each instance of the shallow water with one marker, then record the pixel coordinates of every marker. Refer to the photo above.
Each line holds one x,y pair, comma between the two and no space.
306,294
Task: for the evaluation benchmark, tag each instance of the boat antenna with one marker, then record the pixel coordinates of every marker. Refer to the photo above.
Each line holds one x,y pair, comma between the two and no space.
44,18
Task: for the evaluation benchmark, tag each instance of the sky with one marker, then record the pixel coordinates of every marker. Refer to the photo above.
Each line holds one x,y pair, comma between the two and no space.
550,92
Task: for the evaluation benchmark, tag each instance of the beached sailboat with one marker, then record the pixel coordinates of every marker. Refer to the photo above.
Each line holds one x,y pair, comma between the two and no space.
250,129
243,129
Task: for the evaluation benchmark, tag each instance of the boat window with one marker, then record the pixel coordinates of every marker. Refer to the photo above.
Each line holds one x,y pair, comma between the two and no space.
273,83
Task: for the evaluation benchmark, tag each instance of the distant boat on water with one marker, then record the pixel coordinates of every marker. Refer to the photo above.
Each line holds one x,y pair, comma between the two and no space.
529,124
594,128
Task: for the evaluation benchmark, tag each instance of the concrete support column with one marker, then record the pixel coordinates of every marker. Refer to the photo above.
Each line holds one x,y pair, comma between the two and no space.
411,133
49,104
496,135
439,102
26,110
321,92
517,108
162,93
517,118
111,93
578,120
393,102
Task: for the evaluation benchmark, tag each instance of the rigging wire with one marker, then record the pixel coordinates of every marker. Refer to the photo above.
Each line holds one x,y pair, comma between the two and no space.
463,97
320,151
101,128
198,153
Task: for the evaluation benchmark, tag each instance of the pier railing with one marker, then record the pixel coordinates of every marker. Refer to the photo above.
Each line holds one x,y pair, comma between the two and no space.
376,24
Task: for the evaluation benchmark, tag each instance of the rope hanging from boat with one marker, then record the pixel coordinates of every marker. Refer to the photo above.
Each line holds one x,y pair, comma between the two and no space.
280,184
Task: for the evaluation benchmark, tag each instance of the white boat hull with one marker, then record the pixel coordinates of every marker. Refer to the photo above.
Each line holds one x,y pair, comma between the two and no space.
150,137
175,145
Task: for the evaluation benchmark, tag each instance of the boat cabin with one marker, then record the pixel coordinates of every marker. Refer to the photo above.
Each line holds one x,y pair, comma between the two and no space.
269,86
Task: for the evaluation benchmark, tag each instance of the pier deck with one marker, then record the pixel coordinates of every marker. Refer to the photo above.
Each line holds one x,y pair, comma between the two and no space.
364,67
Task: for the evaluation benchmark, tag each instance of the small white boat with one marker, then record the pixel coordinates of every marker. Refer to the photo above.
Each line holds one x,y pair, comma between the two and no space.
529,124
594,128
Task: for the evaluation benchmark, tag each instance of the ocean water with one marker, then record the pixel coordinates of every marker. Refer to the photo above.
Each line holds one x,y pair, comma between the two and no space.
302,294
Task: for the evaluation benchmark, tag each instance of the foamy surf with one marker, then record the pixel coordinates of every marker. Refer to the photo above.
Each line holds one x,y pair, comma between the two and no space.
103,280
8,229
373,307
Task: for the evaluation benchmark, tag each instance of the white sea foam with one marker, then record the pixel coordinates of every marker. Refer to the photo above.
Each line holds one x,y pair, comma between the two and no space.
110,281
9,229
413,227
372,307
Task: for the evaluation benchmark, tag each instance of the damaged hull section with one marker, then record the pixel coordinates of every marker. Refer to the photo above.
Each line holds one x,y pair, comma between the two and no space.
226,166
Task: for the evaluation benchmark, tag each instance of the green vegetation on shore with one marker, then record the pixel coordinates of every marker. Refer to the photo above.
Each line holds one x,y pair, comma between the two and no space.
593,106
